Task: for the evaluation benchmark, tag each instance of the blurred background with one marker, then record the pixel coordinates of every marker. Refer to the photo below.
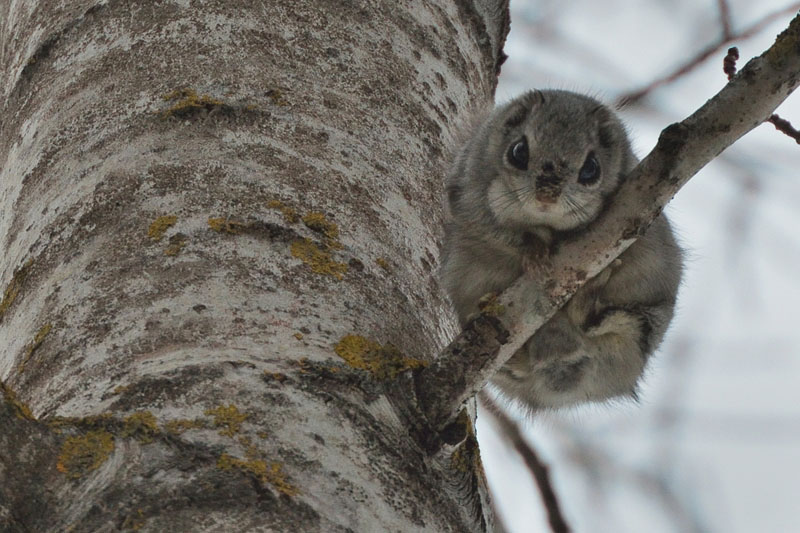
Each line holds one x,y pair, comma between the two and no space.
714,443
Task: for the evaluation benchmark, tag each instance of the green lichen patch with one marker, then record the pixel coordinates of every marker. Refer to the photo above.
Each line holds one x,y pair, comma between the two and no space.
180,425
383,362
142,426
268,473
383,263
317,222
318,259
188,102
176,244
13,288
83,454
38,339
229,419
224,225
160,226
20,409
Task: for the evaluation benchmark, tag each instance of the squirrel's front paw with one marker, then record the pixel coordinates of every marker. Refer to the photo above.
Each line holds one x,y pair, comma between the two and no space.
536,257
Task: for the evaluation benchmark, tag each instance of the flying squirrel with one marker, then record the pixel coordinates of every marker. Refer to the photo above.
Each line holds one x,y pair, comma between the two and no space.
533,172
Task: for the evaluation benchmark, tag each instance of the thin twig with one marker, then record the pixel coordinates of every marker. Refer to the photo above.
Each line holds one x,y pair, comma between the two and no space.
510,431
690,65
725,18
784,126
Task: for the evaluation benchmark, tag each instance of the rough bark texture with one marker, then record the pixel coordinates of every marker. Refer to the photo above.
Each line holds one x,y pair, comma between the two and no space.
219,228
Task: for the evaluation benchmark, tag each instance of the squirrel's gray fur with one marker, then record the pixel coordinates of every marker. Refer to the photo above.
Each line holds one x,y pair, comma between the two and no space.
504,217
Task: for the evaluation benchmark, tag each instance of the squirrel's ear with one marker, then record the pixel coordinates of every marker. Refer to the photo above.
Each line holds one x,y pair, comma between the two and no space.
521,107
532,98
606,134
607,125
453,194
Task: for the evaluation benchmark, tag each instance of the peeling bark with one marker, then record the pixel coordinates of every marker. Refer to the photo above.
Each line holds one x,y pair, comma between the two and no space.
219,223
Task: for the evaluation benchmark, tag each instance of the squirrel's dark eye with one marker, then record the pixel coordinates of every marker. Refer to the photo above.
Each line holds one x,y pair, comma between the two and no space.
518,154
590,171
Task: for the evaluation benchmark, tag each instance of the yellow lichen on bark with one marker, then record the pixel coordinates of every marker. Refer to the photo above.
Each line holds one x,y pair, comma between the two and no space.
289,213
81,455
13,288
383,362
319,260
176,244
277,97
37,341
317,222
269,473
489,305
277,376
228,418
189,100
160,226
142,426
224,225
467,455
21,410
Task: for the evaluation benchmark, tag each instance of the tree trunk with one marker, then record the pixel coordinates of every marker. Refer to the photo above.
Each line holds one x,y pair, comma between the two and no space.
219,223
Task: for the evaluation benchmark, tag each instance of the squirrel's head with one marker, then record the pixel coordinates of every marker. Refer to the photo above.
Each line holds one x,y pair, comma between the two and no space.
551,158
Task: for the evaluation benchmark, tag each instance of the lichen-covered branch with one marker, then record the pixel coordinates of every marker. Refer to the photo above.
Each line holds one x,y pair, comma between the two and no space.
488,341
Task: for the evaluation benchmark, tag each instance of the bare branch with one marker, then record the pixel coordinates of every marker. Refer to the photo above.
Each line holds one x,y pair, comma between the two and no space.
784,126
692,63
725,18
489,340
510,431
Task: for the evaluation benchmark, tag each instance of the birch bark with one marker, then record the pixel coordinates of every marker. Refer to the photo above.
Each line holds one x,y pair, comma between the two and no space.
219,226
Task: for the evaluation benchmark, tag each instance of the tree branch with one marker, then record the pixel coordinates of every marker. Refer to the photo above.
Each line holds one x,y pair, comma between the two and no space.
510,431
502,327
781,124
725,18
784,126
